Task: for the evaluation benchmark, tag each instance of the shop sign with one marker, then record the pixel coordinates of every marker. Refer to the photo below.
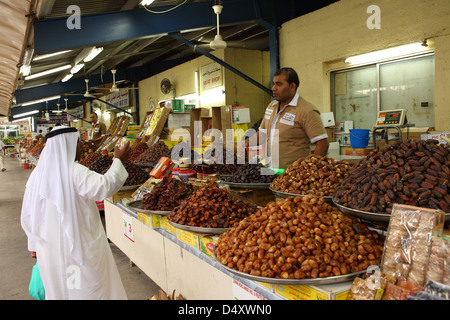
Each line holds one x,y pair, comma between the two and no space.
211,76
120,99
54,119
76,113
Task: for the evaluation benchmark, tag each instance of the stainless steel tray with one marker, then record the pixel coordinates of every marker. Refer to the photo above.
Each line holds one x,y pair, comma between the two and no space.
285,195
128,188
198,229
382,218
248,185
136,206
311,281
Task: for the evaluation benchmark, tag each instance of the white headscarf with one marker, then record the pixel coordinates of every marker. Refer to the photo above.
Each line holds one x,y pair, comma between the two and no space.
52,180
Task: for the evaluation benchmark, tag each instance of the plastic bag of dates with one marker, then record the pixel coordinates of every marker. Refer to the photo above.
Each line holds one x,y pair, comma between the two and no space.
211,207
313,174
415,173
299,238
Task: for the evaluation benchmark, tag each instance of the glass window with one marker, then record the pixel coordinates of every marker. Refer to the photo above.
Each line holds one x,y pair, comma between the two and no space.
359,94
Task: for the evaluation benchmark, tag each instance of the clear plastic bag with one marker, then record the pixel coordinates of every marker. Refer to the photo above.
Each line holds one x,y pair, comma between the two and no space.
408,242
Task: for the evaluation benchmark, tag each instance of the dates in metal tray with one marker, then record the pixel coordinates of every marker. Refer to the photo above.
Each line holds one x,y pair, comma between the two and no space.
412,172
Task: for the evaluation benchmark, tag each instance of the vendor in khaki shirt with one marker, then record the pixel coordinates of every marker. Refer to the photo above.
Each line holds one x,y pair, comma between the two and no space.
97,130
291,124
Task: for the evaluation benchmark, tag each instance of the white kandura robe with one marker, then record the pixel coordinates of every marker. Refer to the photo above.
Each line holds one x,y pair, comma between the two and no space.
63,277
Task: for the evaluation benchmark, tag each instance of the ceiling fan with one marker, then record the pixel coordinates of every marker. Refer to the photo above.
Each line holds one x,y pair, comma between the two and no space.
86,94
218,42
114,87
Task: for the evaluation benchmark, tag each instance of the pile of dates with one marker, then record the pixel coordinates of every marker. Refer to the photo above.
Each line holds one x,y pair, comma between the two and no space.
166,195
136,175
90,158
299,238
410,172
137,150
102,164
252,173
152,154
211,207
316,175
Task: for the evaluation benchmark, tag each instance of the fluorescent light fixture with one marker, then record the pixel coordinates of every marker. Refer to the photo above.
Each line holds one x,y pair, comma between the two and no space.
25,114
25,70
45,56
44,73
146,2
77,68
41,100
387,54
92,54
67,77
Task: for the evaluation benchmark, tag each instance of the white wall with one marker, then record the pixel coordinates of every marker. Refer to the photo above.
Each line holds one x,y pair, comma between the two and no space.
311,43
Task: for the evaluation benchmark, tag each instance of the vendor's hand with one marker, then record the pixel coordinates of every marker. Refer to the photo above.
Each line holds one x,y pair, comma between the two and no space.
122,152
33,254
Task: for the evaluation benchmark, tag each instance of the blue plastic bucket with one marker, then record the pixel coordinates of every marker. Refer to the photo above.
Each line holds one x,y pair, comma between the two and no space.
359,138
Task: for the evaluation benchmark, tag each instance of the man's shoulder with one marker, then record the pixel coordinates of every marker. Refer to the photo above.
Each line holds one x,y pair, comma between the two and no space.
305,105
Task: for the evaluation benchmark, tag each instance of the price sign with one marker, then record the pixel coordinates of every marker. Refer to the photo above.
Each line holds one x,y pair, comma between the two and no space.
128,229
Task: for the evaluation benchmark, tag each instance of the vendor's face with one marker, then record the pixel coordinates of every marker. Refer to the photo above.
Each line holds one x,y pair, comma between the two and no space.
93,118
281,89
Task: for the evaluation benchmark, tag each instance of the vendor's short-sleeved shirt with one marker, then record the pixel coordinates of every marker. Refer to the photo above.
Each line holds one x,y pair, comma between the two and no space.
298,126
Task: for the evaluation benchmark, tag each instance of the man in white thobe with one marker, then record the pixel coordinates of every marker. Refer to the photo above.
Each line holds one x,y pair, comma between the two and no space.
62,222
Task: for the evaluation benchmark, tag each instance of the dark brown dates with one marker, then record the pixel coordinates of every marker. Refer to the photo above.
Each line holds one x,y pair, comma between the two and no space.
411,172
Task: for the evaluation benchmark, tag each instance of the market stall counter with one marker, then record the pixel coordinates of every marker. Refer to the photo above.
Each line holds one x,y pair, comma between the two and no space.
172,258
181,260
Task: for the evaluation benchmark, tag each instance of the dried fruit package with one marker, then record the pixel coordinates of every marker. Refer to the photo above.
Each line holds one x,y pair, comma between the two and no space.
408,242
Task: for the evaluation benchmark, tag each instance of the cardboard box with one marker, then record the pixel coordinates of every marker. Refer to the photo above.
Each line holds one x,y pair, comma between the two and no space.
197,130
334,150
241,114
436,136
117,197
162,168
343,126
177,105
222,119
414,133
343,139
327,119
356,151
338,291
188,107
331,134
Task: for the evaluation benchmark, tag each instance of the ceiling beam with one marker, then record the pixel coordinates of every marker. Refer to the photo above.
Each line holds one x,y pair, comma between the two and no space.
54,35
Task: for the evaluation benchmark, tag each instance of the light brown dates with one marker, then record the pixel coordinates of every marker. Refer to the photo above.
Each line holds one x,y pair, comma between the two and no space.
298,238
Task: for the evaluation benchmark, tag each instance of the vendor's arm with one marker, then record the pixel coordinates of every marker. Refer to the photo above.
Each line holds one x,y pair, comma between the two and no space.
322,147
